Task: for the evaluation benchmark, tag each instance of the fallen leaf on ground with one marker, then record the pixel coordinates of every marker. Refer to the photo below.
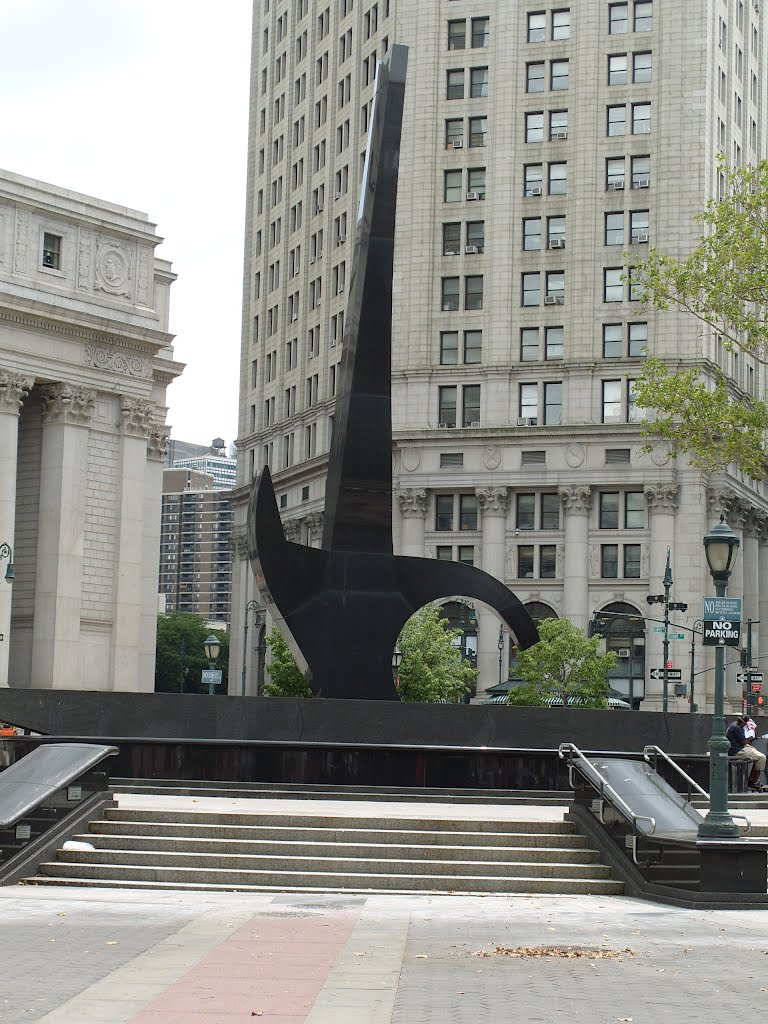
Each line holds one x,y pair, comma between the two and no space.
569,952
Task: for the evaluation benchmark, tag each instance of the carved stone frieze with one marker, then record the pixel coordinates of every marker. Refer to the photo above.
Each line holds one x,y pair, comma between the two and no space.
21,243
157,442
594,561
84,259
493,501
412,503
576,499
661,497
292,530
64,403
136,416
114,267
144,277
117,362
238,542
491,457
14,388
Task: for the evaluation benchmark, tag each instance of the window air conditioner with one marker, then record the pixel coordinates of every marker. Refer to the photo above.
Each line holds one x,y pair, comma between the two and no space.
527,421
456,144
615,186
559,135
557,243
475,423
533,192
473,195
444,426
641,183
642,237
470,249
448,308
623,652
550,300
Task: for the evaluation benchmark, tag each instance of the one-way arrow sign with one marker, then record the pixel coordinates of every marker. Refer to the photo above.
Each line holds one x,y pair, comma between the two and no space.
674,675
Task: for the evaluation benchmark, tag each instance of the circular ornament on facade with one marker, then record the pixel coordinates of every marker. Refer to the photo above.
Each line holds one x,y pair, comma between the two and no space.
113,268
411,459
491,457
575,455
660,456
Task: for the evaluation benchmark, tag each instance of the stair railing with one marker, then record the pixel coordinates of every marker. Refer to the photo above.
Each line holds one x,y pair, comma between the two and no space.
604,788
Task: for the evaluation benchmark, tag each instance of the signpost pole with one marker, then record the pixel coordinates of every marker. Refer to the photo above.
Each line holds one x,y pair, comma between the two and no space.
667,588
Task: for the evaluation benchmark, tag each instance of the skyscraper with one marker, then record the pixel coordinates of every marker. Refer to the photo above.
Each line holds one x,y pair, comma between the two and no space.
540,145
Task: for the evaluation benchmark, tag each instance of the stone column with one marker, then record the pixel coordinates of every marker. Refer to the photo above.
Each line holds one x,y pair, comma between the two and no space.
661,502
66,415
14,388
413,510
577,504
494,506
154,463
315,521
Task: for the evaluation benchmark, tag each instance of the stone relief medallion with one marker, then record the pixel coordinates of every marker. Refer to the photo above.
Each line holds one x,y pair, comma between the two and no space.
411,459
660,455
575,455
113,268
491,457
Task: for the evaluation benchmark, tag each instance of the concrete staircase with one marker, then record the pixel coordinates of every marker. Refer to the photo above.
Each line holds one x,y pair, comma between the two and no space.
180,848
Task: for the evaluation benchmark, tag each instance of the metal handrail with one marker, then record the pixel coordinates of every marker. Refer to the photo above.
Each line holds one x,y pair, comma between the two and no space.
657,750
606,787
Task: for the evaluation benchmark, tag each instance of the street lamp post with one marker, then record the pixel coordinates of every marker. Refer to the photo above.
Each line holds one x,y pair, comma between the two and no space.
668,606
211,646
7,552
698,626
252,606
721,546
501,652
397,657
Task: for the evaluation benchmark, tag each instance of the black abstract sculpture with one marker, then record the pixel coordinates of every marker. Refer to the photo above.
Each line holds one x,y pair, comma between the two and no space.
341,607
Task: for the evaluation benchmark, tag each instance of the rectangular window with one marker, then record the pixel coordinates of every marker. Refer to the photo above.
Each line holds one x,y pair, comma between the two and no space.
480,33
558,179
550,512
635,510
476,183
634,411
641,67
534,78
553,403
470,408
532,234
617,19
558,75
641,171
51,257
473,347
558,124
614,173
449,296
452,187
561,24
467,512
609,511
556,232
525,554
612,341
446,406
613,286
529,404
617,120
454,132
444,554
638,339
555,287
533,180
529,344
553,337
466,553
614,228
537,27
547,561
478,82
617,69
457,34
455,84
643,16
475,235
449,348
444,513
534,127
478,130
451,239
611,401
641,118
473,292
632,561
525,512
639,227
531,290
609,561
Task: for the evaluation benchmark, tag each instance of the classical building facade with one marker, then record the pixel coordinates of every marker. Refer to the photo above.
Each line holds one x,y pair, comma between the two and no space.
541,143
85,359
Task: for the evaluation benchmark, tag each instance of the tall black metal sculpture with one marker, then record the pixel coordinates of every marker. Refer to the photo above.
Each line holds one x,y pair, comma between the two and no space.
341,607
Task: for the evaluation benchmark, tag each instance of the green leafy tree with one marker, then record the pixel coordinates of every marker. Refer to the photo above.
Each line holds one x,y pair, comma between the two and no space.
432,668
180,657
564,663
285,678
723,284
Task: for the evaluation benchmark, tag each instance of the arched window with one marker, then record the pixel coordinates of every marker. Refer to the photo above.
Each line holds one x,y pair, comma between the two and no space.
625,635
540,611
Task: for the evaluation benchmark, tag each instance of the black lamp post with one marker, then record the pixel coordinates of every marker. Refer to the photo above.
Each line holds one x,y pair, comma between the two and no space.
397,657
252,606
721,546
698,627
501,652
668,606
211,646
7,552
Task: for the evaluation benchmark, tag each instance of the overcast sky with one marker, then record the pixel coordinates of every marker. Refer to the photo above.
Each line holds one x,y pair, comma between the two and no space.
145,103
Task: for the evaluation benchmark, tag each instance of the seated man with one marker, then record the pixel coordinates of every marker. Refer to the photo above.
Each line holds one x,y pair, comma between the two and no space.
743,750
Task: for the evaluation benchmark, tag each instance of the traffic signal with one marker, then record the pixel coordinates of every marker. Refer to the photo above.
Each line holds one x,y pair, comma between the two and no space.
743,657
597,626
678,606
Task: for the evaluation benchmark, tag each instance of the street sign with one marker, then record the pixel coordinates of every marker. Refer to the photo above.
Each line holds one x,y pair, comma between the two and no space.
722,633
658,629
211,677
756,687
674,675
722,608
677,636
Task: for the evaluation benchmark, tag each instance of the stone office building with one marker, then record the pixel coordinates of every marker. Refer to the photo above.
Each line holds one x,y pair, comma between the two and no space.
541,142
85,360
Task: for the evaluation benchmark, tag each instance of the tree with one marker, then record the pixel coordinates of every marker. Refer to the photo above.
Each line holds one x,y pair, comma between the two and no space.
432,668
724,285
180,657
285,678
564,663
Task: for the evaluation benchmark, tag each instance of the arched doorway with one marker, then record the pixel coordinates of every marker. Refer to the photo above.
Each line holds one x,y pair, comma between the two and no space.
462,615
625,635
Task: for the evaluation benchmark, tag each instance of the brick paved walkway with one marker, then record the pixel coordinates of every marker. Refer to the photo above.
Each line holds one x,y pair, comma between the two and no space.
78,956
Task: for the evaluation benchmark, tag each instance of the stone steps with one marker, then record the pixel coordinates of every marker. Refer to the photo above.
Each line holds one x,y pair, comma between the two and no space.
311,851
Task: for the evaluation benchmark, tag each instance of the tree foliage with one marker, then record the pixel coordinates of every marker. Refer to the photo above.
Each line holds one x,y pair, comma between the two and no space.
564,663
180,657
432,668
723,284
285,678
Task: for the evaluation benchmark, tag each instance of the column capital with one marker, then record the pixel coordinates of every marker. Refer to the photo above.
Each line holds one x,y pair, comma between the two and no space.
63,403
661,498
724,501
315,521
412,503
157,443
493,501
755,523
576,499
238,542
136,416
292,530
14,388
